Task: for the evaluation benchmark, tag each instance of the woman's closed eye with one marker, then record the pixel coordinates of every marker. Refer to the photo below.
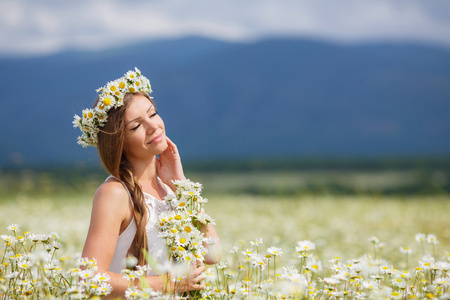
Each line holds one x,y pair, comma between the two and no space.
135,127
151,116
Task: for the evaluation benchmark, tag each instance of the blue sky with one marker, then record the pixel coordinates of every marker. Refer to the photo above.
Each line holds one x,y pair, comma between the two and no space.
29,27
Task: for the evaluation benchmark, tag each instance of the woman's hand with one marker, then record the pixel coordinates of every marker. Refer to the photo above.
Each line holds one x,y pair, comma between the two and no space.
193,281
168,165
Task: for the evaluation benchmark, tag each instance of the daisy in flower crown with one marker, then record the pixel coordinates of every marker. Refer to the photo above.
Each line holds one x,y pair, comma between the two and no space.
143,164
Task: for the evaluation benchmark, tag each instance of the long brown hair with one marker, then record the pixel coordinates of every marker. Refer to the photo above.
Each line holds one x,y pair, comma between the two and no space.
111,140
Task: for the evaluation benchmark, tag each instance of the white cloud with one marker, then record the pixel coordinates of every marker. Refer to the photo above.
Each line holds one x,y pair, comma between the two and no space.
46,26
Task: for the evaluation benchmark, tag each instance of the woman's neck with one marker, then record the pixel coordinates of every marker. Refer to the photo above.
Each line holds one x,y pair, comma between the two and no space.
145,173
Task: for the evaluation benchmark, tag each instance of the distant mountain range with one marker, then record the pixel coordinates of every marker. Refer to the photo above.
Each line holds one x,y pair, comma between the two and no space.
277,97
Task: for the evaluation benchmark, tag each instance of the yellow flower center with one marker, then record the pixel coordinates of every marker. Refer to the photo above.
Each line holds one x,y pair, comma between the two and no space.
121,85
182,240
113,88
90,115
137,83
187,229
107,101
178,217
180,249
132,89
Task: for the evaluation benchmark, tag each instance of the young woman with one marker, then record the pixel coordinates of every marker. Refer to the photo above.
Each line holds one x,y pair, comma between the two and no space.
143,161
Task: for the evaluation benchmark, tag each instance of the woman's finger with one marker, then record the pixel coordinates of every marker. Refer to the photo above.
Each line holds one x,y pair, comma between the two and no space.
172,146
198,277
200,286
198,270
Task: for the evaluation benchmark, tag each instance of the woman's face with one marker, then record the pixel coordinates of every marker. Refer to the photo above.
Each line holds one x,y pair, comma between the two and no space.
144,130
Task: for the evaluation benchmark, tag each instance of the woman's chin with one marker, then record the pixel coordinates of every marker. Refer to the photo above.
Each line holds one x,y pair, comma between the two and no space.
162,146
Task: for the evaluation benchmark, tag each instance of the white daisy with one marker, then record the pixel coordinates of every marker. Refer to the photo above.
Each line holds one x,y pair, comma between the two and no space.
211,240
182,239
188,256
257,242
105,289
221,265
313,265
12,275
189,228
13,227
274,251
131,75
8,239
102,119
132,293
234,250
25,264
405,250
431,239
88,116
179,204
105,103
112,87
305,246
420,237
77,121
259,261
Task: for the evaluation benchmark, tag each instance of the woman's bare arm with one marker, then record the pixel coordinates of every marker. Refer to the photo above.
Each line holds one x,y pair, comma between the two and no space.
111,214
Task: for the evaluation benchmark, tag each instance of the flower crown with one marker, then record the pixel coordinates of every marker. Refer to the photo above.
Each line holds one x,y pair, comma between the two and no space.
111,96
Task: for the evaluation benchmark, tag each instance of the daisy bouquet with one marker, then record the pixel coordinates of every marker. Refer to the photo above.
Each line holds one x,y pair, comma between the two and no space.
181,227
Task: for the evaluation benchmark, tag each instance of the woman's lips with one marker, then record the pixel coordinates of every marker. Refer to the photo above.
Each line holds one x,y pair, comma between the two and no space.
156,139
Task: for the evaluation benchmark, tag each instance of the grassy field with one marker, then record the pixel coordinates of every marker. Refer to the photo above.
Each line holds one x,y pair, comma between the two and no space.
338,210
338,225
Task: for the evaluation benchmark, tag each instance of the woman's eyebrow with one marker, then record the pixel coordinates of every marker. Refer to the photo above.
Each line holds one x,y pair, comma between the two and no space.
139,117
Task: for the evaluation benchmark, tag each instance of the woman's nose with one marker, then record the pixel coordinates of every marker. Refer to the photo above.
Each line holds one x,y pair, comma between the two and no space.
150,125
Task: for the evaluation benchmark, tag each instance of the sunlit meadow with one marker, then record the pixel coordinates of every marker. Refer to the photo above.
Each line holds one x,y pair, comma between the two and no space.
344,231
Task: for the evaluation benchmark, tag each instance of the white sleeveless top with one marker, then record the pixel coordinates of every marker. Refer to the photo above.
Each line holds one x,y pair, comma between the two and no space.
156,246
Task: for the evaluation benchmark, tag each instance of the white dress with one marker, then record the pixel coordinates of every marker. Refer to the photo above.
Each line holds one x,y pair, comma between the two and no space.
156,246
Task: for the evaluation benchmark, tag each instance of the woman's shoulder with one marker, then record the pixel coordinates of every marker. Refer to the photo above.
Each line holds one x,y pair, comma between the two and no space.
112,193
